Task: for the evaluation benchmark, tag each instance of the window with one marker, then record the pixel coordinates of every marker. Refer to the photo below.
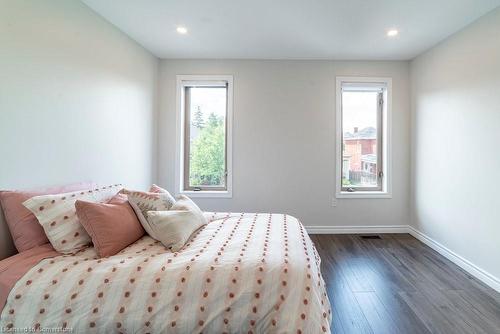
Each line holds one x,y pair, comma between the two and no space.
363,137
204,106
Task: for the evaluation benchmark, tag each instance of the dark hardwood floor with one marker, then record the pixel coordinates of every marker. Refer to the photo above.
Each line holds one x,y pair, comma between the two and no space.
396,284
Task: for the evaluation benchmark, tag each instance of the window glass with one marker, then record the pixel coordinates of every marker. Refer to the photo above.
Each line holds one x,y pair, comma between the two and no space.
205,141
361,119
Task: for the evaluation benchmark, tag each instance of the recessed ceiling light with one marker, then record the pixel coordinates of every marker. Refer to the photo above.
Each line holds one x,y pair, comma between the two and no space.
392,32
182,30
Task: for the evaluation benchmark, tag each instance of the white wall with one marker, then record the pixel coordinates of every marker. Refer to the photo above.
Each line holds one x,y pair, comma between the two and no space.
284,139
456,143
77,98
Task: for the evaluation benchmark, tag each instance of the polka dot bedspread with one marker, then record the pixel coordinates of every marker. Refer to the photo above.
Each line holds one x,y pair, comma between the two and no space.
241,273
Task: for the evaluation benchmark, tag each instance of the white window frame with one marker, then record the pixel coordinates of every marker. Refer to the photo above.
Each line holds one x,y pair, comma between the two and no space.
386,191
180,117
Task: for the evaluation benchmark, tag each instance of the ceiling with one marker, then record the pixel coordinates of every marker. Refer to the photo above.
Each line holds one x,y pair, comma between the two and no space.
290,29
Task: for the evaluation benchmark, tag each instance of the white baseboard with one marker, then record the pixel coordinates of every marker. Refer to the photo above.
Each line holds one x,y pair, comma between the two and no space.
357,229
466,265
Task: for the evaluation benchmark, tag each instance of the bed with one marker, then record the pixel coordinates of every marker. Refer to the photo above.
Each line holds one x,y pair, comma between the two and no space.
241,273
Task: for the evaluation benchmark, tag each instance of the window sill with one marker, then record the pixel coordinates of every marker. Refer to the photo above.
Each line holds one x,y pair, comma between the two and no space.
364,194
207,194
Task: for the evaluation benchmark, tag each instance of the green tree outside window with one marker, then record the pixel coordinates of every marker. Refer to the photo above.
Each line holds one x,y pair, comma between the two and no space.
207,163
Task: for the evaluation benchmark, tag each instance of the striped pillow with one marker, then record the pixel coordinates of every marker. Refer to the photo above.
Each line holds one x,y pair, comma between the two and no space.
142,202
57,215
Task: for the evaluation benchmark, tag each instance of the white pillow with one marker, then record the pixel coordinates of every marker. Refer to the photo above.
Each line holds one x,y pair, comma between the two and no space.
174,227
57,215
142,202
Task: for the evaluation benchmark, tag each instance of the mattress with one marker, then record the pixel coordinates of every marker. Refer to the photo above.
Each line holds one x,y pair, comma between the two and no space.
241,273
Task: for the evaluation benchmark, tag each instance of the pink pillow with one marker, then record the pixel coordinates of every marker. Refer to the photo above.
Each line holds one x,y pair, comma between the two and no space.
112,226
26,232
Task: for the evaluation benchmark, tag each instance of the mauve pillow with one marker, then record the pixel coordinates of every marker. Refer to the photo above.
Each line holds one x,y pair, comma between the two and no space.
112,226
26,232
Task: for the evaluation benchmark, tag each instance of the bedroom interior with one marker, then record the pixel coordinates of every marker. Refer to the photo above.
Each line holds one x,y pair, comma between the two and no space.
249,167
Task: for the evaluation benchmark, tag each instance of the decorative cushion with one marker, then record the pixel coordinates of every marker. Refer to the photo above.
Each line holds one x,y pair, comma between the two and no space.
154,189
26,232
57,215
157,189
112,225
173,228
119,198
142,202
